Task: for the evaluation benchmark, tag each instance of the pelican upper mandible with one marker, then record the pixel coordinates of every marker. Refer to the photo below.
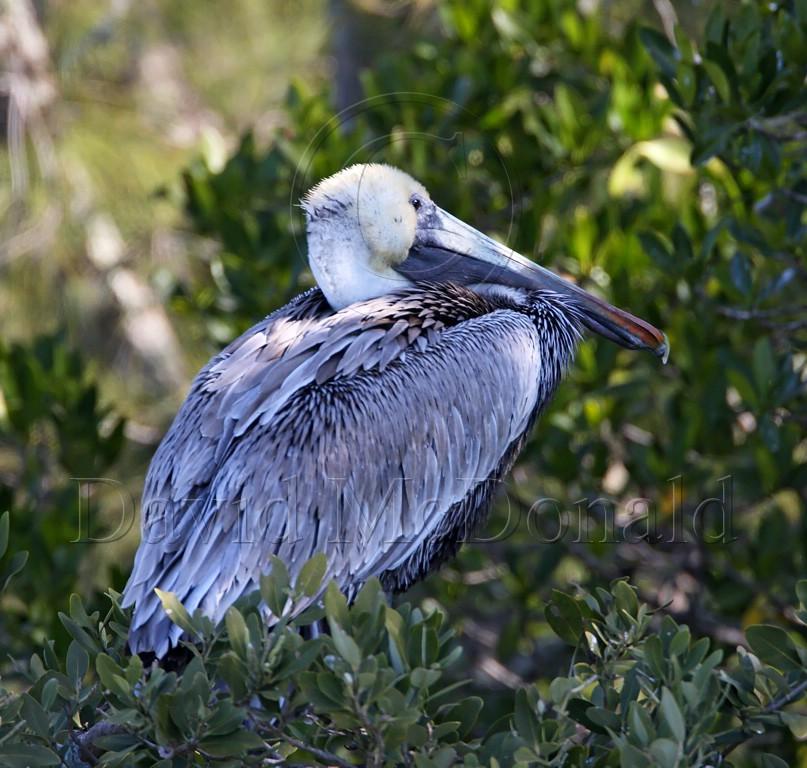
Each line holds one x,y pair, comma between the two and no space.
371,417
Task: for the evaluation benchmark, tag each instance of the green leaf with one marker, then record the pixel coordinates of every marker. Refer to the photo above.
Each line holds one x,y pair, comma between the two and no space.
393,622
659,47
560,688
336,605
78,613
466,713
134,670
231,745
740,271
641,726
797,723
672,717
657,249
772,761
706,669
654,655
744,387
630,757
311,574
682,245
719,79
237,631
226,719
78,634
604,718
275,587
716,24
665,753
696,654
444,757
315,694
232,670
345,645
370,597
305,657
4,524
331,687
522,756
680,642
49,691
524,718
111,676
35,716
17,563
801,592
764,366
709,240
27,755
77,663
424,678
625,598
176,611
773,646
578,710
118,742
564,616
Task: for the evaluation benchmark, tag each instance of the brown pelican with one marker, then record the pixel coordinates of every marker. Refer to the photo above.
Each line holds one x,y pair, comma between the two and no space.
371,417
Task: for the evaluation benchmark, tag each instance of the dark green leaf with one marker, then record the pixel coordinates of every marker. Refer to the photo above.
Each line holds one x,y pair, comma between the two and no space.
311,574
35,716
740,268
17,563
275,586
671,715
78,661
773,646
665,753
4,524
176,611
232,744
237,631
772,761
625,597
27,755
345,645
565,618
659,47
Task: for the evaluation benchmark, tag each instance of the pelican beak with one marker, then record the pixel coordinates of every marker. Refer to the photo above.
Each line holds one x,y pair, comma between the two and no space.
447,249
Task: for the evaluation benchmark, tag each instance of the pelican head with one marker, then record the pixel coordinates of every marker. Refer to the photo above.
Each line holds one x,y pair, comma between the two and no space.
373,230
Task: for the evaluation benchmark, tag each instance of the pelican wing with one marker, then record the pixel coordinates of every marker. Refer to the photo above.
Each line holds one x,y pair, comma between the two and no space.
357,433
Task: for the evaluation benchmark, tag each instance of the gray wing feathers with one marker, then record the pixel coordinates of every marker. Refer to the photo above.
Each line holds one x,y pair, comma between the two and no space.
270,455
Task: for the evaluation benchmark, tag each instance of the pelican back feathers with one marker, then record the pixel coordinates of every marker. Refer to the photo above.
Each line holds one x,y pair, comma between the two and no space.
374,434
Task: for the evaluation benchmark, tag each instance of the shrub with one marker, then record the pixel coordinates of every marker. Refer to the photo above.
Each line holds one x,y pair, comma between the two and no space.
53,430
373,689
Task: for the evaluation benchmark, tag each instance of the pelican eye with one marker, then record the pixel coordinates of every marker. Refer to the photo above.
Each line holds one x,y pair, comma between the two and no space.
416,201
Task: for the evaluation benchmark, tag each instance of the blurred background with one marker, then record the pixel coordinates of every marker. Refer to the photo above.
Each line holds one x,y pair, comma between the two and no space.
153,155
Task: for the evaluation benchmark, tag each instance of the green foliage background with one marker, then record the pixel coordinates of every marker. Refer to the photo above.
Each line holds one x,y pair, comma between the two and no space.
667,175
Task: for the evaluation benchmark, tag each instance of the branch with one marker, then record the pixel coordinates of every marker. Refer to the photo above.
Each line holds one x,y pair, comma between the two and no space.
84,740
787,698
739,736
322,754
758,314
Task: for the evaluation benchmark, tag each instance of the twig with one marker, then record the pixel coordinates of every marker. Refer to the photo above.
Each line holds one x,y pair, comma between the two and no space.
322,754
787,698
84,740
739,736
758,314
